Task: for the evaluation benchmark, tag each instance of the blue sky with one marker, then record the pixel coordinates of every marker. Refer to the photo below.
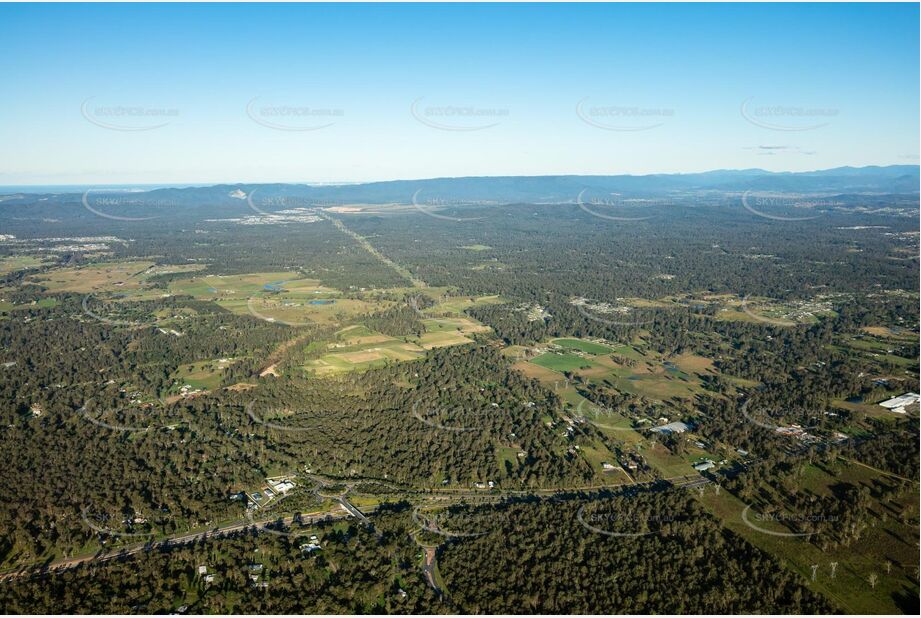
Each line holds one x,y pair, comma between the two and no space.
320,93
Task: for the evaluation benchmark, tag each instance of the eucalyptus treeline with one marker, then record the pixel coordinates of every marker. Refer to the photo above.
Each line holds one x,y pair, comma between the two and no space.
643,553
547,556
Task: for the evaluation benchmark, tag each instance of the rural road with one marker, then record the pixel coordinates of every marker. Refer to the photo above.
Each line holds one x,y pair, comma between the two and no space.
428,568
343,510
66,563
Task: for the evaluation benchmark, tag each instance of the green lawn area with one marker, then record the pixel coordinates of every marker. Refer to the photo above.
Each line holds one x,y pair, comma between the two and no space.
620,430
357,347
507,454
656,386
13,263
588,347
205,374
351,332
237,286
458,304
876,348
628,351
562,362
650,376
440,325
596,454
442,339
332,363
42,303
664,461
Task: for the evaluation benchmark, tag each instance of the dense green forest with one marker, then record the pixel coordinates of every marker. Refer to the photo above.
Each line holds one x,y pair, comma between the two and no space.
532,557
154,379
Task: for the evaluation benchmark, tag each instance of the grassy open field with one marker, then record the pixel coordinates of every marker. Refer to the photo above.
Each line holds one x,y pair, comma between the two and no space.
458,304
359,334
651,375
462,325
296,312
561,361
538,372
365,356
103,277
120,281
590,347
597,454
288,298
887,539
13,263
635,371
878,346
285,284
357,347
507,456
6,307
666,462
441,340
205,374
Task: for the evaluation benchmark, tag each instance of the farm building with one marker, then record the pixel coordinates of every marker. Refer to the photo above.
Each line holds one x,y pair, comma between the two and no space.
898,404
281,487
675,427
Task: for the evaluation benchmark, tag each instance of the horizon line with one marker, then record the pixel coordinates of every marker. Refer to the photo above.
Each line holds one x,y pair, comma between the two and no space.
197,184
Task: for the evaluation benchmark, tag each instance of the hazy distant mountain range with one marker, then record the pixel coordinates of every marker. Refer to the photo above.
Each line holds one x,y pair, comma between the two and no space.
893,179
890,179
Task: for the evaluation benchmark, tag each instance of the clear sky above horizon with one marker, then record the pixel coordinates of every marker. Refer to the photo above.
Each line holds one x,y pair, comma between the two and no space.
114,94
